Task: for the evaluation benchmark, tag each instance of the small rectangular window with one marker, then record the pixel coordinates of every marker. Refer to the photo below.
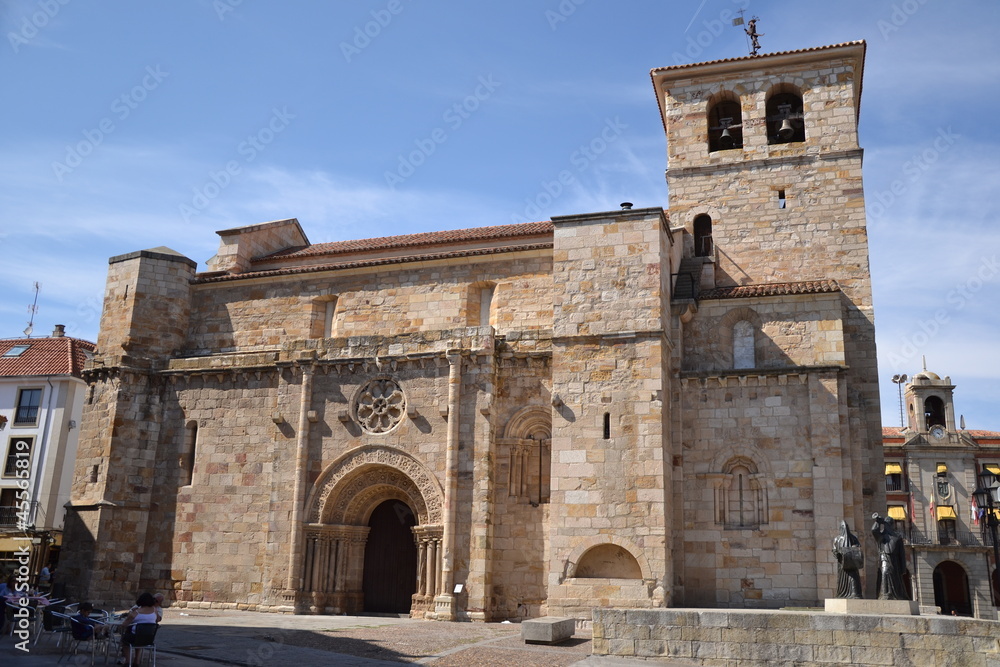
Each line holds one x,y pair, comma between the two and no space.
16,351
607,425
28,402
782,202
330,311
18,457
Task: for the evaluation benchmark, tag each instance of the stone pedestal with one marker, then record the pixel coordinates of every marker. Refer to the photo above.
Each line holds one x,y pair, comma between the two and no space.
879,607
444,607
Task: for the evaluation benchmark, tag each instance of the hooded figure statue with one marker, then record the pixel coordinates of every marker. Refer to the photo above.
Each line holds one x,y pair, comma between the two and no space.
850,561
892,559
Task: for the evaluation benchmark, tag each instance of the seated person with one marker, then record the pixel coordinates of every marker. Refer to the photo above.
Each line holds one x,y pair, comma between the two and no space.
84,627
144,611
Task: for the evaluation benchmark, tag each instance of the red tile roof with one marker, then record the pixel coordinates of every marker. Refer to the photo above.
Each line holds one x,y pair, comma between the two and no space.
771,289
756,57
61,355
477,234
378,261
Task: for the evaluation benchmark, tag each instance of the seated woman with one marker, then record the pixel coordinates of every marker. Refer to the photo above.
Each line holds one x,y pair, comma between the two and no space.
144,611
84,627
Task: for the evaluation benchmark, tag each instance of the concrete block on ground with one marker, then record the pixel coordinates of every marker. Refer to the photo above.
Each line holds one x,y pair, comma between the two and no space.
547,630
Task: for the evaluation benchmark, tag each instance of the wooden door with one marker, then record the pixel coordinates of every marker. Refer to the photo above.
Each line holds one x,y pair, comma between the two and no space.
390,577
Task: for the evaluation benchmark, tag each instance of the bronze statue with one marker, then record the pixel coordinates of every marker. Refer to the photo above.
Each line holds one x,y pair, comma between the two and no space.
892,559
751,31
850,561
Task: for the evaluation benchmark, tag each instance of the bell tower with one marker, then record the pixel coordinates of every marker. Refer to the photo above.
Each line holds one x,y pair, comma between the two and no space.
765,180
930,404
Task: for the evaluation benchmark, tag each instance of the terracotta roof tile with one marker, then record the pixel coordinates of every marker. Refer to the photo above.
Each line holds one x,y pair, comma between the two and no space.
756,57
414,240
379,261
45,356
770,289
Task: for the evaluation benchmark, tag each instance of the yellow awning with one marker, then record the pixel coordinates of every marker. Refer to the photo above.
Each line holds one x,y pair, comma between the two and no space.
996,513
992,467
897,512
13,543
945,512
942,469
893,469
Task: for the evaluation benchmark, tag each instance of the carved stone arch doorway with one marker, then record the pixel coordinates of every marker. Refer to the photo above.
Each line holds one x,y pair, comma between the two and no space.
378,494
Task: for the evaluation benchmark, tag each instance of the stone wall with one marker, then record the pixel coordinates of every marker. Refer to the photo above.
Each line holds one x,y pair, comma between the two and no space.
608,381
252,315
745,638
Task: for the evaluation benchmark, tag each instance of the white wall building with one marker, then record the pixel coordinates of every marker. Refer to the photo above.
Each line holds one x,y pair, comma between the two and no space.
41,400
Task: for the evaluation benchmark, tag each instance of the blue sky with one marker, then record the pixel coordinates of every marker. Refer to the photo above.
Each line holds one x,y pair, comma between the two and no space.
133,125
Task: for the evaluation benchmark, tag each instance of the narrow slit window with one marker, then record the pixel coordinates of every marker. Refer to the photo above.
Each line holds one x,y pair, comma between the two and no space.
782,202
607,425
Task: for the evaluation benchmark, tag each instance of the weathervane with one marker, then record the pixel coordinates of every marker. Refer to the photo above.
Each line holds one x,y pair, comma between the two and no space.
751,30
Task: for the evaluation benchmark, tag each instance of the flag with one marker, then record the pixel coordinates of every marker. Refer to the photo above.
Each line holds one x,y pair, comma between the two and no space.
974,510
913,512
932,508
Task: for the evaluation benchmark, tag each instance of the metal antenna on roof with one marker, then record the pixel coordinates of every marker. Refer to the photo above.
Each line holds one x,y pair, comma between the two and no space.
32,309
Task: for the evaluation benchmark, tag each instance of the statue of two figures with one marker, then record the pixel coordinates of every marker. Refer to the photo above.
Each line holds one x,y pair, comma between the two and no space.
851,560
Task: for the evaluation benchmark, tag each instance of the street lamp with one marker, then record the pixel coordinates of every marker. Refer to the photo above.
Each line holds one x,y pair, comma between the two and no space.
986,495
899,380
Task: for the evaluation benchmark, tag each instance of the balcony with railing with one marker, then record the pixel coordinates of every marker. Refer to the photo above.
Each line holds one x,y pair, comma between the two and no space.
949,538
11,517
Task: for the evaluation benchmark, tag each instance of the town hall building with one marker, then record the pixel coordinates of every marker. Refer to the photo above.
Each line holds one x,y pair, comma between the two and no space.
636,408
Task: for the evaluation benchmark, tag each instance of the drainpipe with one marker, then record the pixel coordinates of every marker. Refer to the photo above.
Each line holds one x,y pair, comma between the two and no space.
294,582
444,604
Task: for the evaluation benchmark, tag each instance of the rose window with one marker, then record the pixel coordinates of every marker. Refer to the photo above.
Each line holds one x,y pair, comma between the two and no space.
381,405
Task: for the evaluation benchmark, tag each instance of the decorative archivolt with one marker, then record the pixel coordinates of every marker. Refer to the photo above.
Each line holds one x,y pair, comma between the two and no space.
533,422
350,487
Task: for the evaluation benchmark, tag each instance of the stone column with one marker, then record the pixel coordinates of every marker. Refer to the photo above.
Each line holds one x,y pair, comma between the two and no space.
444,603
294,582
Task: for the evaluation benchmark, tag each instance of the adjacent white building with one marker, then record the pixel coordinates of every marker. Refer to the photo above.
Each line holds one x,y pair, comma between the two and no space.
41,400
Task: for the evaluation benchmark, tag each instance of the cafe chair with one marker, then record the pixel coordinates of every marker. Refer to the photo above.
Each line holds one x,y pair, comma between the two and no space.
143,637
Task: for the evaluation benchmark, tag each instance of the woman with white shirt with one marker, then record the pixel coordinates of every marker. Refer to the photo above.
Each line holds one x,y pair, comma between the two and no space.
144,611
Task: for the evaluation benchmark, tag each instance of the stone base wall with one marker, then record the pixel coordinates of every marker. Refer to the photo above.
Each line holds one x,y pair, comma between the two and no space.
736,638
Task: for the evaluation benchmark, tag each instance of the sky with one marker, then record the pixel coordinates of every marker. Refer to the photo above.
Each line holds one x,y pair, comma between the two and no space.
134,125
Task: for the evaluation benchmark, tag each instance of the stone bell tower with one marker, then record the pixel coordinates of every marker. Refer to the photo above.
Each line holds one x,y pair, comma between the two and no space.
764,176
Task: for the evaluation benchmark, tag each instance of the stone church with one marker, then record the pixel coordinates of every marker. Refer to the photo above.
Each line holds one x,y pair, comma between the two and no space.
634,408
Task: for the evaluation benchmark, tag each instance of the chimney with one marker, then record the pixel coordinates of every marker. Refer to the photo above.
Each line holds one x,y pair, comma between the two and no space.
626,206
59,331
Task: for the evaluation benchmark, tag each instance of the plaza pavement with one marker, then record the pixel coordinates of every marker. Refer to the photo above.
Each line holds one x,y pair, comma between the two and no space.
209,638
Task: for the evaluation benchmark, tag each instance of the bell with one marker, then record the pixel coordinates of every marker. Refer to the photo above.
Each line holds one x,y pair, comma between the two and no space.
726,139
786,130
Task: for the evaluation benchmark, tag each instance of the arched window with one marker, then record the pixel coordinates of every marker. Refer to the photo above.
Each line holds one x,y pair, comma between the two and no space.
703,236
743,345
725,124
741,500
785,122
933,412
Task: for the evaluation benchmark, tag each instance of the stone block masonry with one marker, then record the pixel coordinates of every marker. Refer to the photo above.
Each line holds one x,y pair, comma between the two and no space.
746,638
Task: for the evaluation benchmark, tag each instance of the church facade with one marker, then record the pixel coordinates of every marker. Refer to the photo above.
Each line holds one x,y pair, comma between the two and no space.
634,408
